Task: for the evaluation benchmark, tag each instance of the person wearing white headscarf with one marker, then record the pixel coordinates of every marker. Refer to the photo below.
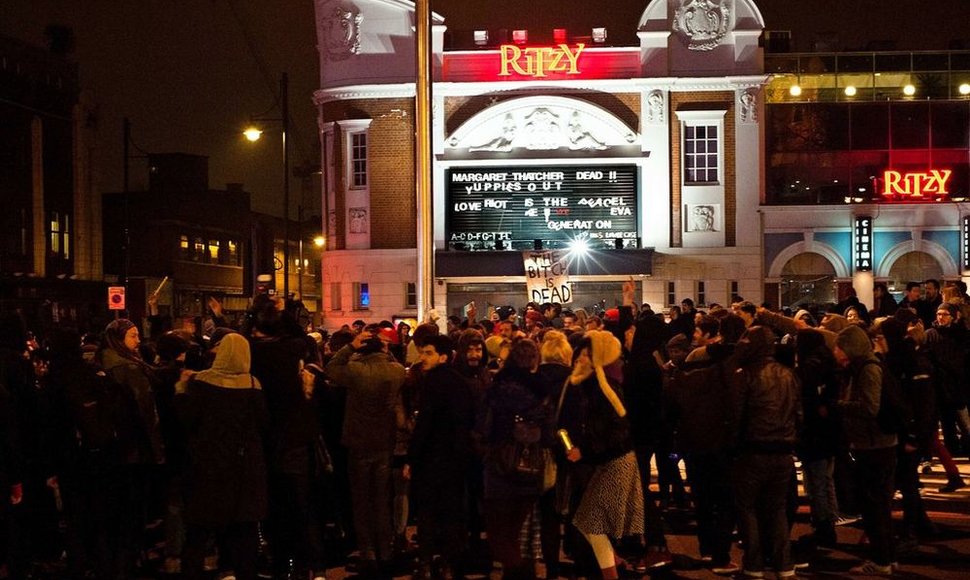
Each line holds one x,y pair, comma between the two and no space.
223,411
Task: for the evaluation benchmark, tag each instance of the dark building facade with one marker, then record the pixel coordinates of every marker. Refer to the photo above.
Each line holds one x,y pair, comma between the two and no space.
50,255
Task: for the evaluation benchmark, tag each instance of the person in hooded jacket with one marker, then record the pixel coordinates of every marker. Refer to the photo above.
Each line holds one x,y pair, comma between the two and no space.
818,442
767,414
224,414
873,449
122,362
612,504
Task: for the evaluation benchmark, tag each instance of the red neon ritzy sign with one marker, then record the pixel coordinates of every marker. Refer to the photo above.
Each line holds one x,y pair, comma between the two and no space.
932,183
539,61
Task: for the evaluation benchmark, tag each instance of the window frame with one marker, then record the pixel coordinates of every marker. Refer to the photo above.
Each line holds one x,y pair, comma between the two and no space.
351,129
695,120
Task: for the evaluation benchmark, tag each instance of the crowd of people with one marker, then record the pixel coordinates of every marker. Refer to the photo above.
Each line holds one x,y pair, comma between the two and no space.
511,439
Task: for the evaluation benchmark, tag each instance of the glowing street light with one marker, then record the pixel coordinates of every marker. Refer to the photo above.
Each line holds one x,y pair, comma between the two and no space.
253,134
319,241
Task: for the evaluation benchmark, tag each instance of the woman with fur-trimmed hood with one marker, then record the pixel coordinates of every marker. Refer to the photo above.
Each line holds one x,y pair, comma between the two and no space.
612,505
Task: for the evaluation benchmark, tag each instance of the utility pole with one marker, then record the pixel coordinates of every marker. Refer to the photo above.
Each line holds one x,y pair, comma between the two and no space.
423,159
285,117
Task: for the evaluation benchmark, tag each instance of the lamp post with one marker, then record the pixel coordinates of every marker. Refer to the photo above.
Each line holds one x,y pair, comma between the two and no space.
253,134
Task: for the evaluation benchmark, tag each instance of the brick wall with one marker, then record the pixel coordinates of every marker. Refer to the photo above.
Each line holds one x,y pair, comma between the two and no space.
390,150
715,101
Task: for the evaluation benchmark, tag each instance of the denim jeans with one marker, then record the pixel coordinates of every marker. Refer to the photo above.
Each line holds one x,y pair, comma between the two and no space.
820,487
761,483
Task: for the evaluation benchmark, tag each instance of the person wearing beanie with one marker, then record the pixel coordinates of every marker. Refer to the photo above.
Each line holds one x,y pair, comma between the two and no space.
945,344
612,504
874,450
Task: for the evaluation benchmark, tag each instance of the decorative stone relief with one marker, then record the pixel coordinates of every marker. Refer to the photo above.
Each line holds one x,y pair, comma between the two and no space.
703,22
579,137
342,29
542,124
358,220
543,130
655,108
748,103
502,142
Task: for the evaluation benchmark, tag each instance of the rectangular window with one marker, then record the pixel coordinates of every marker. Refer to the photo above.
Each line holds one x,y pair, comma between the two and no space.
199,254
335,302
184,252
671,294
213,251
734,290
60,235
55,234
701,153
411,295
232,252
358,159
361,296
701,297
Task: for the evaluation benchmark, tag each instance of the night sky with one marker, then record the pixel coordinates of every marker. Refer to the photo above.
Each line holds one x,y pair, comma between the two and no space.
189,73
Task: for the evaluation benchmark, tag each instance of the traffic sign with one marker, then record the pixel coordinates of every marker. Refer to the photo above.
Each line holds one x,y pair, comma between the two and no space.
116,297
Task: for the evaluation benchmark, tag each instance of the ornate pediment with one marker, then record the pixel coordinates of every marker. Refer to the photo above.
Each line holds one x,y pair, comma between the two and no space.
542,124
703,23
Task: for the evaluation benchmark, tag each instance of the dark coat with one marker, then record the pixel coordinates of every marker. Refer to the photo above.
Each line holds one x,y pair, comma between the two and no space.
373,382
227,477
440,448
513,393
276,364
695,402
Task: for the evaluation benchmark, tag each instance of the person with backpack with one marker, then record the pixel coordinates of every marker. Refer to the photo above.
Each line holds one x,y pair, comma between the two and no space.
515,404
872,447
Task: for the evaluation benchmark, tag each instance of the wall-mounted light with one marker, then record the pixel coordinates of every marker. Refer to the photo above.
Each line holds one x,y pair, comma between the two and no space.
964,89
559,35
481,37
909,90
850,91
599,35
795,90
520,36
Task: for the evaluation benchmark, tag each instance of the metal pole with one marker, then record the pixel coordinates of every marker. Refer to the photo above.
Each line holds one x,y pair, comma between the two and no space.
425,233
285,115
126,125
299,266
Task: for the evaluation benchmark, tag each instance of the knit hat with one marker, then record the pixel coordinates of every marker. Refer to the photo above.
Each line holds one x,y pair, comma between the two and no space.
805,313
953,309
854,342
604,350
118,328
533,316
612,315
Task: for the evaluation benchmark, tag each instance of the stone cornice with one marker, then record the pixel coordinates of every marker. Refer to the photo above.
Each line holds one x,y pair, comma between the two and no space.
406,90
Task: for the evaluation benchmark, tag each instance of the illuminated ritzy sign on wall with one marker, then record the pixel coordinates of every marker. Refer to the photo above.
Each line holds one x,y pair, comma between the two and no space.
863,244
539,61
914,185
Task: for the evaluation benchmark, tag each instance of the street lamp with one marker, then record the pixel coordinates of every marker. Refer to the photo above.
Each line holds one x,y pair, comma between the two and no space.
253,134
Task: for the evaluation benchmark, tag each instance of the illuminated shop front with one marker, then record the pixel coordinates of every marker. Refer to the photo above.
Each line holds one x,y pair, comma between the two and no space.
647,155
880,139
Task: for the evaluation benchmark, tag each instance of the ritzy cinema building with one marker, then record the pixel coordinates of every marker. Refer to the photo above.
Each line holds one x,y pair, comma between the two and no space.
690,159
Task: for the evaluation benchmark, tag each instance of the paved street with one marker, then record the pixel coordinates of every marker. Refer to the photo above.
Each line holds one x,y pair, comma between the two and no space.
945,557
